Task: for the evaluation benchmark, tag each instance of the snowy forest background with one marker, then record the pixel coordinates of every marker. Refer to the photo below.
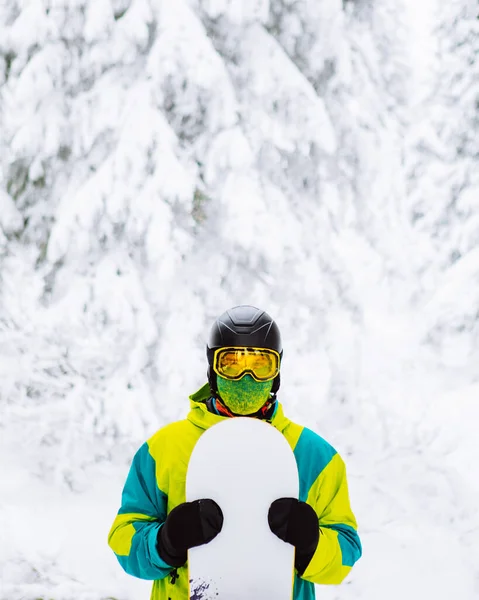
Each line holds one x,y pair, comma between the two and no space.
161,161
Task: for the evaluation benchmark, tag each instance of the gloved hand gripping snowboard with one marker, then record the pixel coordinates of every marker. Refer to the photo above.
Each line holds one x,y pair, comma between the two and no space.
295,522
188,525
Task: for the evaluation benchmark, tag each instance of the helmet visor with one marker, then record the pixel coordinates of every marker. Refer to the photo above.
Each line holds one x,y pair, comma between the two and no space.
234,362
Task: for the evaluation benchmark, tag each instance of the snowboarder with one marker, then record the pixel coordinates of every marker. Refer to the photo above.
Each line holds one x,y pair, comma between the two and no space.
155,527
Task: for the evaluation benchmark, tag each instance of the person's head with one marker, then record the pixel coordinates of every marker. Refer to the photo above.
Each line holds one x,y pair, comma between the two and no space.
244,353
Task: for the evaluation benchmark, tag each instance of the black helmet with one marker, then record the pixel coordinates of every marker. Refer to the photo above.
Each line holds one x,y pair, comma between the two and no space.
243,326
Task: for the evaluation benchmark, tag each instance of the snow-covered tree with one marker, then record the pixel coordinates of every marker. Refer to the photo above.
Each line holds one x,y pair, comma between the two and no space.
161,161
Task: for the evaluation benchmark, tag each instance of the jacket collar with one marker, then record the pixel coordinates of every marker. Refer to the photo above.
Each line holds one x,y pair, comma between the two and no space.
200,416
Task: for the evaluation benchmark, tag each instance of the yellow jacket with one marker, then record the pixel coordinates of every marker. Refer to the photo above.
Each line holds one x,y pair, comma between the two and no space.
156,484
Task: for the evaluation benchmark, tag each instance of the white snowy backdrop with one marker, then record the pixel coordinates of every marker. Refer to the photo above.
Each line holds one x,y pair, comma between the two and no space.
161,161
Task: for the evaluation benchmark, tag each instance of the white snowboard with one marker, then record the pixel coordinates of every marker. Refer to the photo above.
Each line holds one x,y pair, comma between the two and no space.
244,465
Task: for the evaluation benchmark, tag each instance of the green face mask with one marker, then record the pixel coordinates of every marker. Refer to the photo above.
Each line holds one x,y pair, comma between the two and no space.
246,396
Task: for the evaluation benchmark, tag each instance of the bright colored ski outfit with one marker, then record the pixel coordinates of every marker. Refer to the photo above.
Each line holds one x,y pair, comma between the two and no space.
156,484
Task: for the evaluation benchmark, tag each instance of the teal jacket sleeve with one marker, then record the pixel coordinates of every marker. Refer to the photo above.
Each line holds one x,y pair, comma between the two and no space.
135,529
323,485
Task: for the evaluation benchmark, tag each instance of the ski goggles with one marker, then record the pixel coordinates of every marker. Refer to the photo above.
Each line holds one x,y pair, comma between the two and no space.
235,362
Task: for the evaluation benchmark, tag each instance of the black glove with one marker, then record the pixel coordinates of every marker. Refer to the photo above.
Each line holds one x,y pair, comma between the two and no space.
295,522
189,524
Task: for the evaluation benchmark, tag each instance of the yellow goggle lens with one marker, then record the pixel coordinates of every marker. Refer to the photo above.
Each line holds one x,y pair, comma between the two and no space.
233,363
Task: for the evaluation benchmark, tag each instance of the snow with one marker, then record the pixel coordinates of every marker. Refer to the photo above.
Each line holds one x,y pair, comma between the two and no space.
162,161
10,218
